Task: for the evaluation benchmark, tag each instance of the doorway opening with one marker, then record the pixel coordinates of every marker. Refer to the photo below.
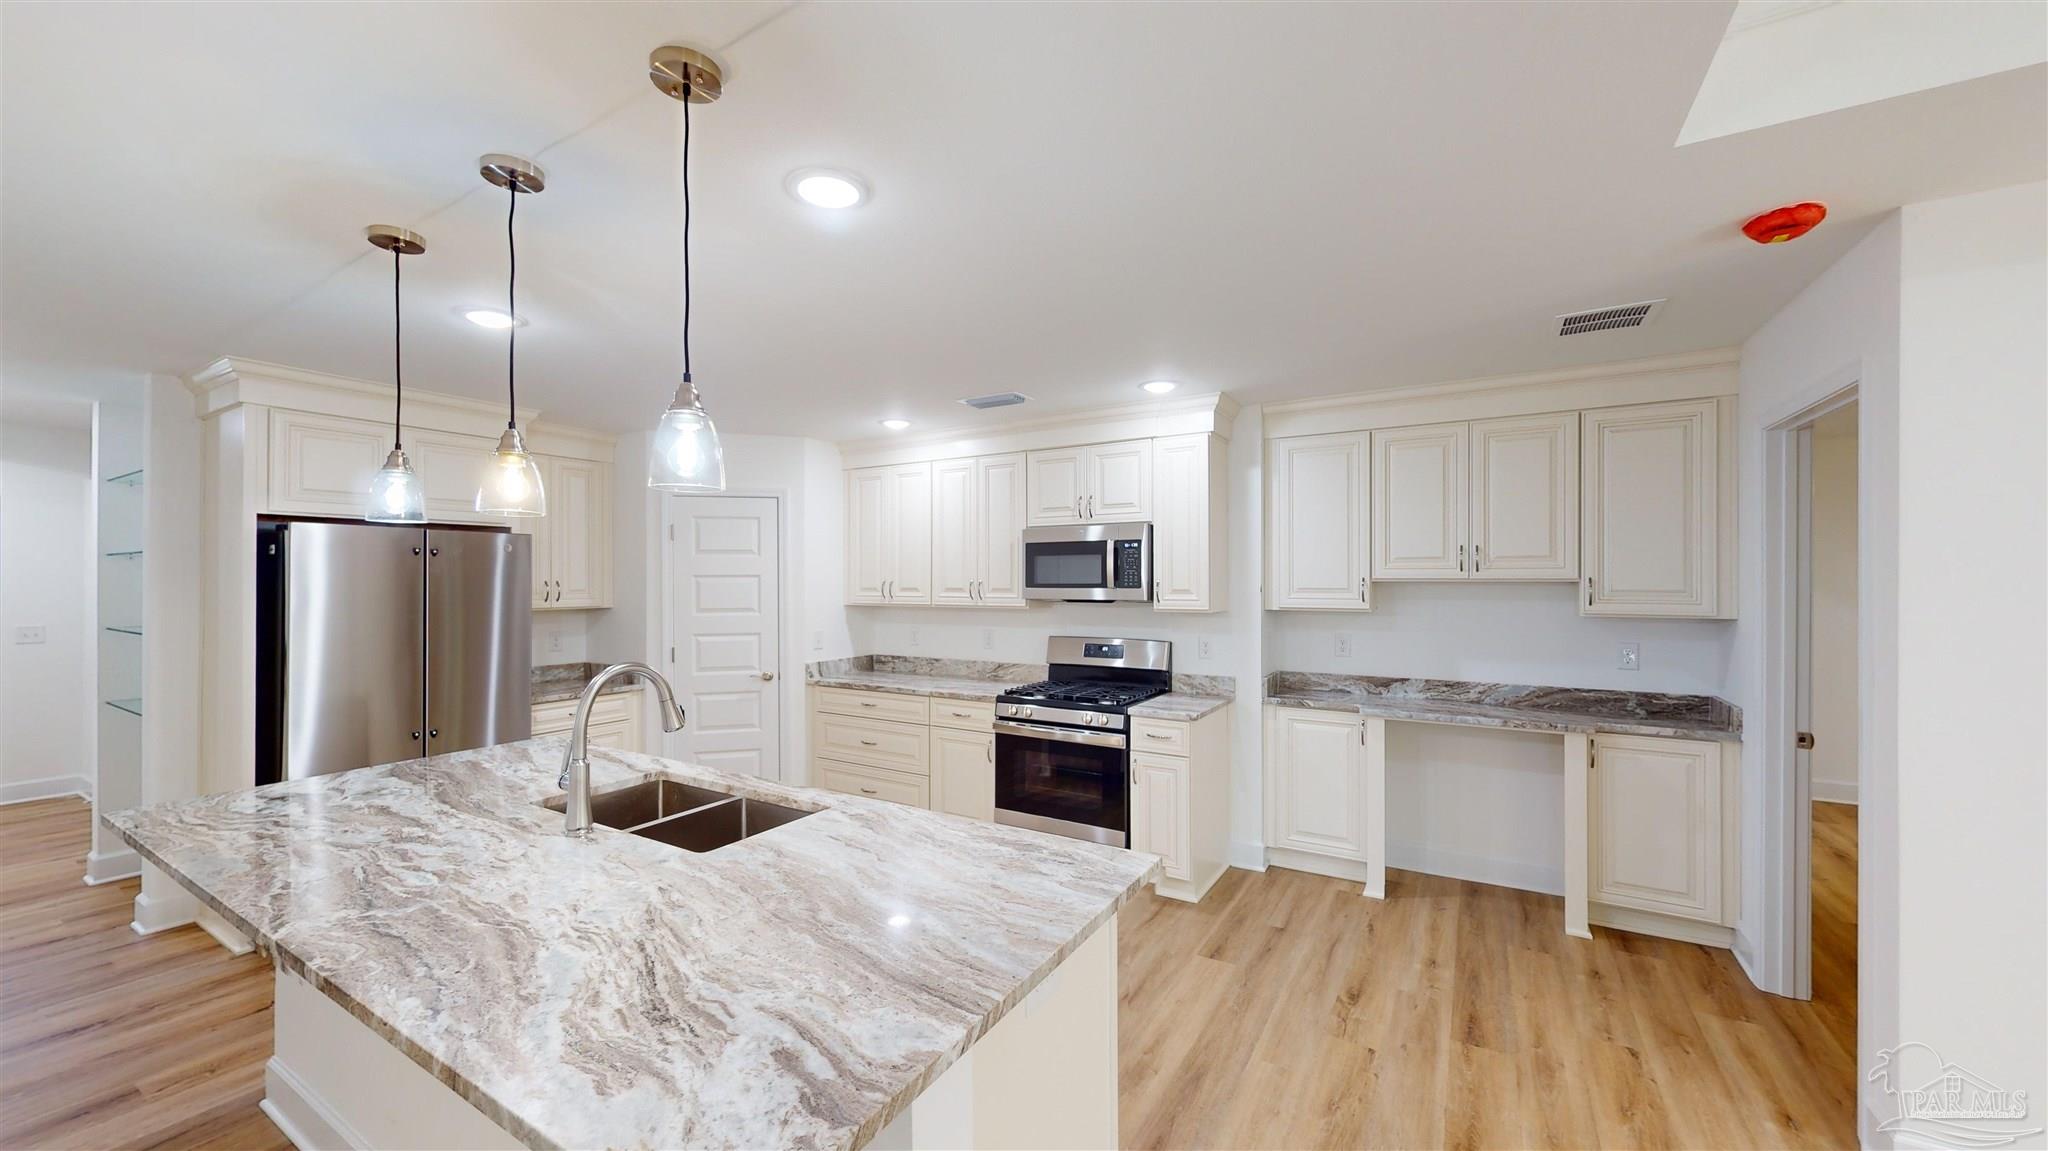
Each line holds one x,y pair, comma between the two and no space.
1828,692
723,610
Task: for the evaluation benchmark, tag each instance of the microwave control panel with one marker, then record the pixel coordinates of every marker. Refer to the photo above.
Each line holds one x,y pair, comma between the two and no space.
1130,563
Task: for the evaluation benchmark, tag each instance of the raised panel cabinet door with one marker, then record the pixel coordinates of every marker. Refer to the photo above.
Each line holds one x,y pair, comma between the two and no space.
1656,825
1055,485
956,541
580,537
1119,484
1650,510
964,773
1159,810
451,467
541,534
1318,516
1319,785
1525,498
910,534
1418,515
867,505
1000,497
1180,523
323,464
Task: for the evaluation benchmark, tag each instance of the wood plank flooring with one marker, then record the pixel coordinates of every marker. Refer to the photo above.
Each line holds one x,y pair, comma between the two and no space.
1282,1012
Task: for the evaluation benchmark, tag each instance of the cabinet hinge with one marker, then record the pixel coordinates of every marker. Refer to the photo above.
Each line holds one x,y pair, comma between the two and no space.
671,533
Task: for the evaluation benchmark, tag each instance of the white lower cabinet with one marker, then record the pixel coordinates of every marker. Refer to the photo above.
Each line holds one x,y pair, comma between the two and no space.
1180,800
1657,835
875,783
614,720
1315,782
964,773
1159,810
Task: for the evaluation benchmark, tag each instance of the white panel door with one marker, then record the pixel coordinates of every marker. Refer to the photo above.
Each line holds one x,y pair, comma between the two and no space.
1656,825
1180,523
908,528
1318,514
1057,481
1418,515
964,773
1318,787
323,464
724,631
1159,810
867,505
1000,485
1525,497
579,533
1119,484
451,467
1650,514
956,539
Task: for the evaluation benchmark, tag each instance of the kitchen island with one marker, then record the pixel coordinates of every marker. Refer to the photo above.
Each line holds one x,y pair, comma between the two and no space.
453,970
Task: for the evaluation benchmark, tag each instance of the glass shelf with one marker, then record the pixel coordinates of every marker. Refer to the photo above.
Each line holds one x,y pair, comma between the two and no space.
127,479
124,555
126,629
131,706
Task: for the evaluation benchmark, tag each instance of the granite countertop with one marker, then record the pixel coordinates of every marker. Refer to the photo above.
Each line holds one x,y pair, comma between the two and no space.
1523,707
1180,705
558,681
904,683
796,989
919,675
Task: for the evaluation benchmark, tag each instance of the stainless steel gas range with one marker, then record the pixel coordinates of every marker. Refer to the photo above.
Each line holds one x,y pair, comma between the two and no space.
1063,760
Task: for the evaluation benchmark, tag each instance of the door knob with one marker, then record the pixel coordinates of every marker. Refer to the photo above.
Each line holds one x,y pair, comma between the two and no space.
1803,741
767,677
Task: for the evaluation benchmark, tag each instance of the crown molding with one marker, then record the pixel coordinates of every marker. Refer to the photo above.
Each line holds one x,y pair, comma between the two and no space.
1211,413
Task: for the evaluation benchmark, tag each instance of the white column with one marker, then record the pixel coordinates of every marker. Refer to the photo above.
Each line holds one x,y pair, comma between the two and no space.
1577,757
1375,736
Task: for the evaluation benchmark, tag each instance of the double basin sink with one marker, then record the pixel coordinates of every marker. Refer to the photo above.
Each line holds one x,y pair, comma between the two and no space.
682,814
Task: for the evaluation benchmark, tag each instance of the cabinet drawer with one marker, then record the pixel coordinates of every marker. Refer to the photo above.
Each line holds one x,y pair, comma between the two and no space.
873,782
965,714
852,739
1160,736
873,704
558,716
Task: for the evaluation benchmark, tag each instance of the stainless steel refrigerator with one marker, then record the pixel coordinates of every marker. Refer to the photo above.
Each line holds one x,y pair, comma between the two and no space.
377,643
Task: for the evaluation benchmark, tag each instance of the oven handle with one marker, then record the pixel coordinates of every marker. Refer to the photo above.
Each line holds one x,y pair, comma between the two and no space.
1058,734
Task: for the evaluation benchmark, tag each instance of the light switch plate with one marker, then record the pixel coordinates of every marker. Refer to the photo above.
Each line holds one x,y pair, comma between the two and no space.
817,641
28,635
1343,645
1631,657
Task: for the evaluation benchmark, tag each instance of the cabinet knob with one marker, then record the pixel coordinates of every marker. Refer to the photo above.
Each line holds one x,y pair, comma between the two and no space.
767,677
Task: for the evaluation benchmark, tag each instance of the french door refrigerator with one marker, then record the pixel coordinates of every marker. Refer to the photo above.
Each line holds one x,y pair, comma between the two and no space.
377,643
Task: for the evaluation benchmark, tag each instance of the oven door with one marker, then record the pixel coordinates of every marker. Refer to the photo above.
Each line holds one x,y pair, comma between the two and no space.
1071,783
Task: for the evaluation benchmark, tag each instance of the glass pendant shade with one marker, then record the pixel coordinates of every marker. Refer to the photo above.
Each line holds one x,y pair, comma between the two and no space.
512,486
396,496
686,455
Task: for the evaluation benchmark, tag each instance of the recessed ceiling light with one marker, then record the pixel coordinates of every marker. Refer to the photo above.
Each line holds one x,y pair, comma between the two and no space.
895,425
494,318
1160,387
824,189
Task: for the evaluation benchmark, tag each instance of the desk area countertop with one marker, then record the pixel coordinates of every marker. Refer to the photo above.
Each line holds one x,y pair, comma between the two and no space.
1520,707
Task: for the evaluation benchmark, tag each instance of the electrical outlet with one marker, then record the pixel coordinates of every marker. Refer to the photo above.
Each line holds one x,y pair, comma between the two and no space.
1343,645
913,637
28,635
817,641
1631,657
554,642
988,639
1205,649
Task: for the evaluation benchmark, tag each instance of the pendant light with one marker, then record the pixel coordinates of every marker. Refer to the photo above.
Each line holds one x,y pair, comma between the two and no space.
686,456
512,486
396,496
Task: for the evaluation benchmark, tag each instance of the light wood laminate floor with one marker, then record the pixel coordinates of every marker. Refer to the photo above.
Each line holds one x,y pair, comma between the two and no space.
1285,1011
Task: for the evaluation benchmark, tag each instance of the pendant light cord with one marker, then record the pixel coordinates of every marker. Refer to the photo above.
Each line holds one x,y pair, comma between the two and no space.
511,310
686,232
397,361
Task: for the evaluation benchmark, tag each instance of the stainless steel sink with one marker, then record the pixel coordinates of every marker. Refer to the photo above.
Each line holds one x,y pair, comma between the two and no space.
684,815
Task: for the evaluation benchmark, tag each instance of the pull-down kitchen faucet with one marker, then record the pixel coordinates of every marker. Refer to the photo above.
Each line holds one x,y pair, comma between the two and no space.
576,760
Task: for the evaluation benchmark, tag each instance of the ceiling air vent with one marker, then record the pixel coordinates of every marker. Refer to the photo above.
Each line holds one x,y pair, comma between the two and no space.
999,400
1605,319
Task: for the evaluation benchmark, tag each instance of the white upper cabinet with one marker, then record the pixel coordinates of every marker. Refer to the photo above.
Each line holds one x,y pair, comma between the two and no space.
1656,840
572,544
1651,494
1419,503
1318,516
1100,483
889,534
999,485
956,532
1189,524
1525,497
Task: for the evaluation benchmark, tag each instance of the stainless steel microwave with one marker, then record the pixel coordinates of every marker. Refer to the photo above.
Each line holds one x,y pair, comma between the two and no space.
1088,562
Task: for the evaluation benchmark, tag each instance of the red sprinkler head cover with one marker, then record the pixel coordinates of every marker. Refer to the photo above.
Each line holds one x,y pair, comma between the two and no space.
1788,223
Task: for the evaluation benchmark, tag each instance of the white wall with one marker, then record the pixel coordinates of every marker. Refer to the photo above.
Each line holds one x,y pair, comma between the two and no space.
1834,607
1972,926
564,636
46,538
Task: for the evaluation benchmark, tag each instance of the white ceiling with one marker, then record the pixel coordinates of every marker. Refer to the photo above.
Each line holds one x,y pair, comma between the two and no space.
1269,200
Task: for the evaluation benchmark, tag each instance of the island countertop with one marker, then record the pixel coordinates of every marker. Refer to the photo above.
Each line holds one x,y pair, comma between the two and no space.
796,989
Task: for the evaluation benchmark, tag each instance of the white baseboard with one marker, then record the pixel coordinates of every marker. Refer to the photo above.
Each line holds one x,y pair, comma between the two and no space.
111,867
1667,926
1247,856
1521,876
163,913
309,1123
1834,791
1333,866
48,787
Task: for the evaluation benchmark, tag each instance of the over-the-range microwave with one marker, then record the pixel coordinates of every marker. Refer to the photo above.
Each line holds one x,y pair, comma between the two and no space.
1088,562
